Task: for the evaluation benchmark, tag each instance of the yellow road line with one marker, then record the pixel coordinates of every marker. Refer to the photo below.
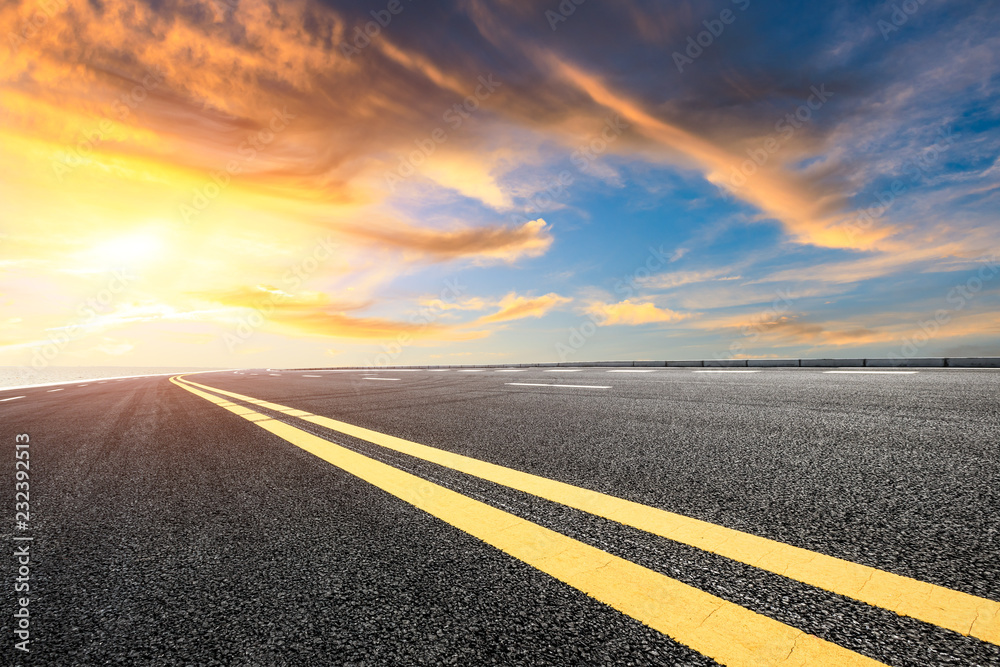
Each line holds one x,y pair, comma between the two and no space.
966,614
712,626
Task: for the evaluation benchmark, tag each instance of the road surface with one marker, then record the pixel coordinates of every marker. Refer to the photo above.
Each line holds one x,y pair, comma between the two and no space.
512,517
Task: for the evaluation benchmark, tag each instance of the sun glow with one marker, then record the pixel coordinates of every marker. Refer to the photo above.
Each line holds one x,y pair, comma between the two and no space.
143,246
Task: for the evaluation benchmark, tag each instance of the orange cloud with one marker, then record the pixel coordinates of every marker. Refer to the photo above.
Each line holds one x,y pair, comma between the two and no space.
314,313
779,331
810,215
196,86
436,304
339,325
516,307
273,298
506,243
631,313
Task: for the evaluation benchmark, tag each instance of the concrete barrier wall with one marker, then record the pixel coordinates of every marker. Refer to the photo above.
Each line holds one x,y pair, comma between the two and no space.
972,362
929,362
924,362
832,363
773,363
725,363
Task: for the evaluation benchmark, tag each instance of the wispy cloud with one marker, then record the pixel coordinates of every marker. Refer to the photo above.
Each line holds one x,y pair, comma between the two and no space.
632,313
515,307
501,242
666,281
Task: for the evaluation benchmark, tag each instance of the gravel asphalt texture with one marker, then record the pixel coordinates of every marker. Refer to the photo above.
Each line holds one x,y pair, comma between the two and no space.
169,531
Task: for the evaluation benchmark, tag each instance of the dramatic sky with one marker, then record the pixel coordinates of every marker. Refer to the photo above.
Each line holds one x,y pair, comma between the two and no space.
249,183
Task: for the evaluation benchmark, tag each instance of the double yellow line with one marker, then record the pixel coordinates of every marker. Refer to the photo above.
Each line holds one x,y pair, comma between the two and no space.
726,632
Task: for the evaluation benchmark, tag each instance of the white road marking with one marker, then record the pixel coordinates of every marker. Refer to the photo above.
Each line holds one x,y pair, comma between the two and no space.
574,386
631,370
438,370
52,390
275,374
81,385
726,371
387,379
12,398
877,372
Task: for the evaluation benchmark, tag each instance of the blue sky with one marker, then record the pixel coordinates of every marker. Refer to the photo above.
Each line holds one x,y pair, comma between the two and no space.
498,182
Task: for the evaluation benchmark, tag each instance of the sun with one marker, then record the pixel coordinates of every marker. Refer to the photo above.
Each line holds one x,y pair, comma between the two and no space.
141,246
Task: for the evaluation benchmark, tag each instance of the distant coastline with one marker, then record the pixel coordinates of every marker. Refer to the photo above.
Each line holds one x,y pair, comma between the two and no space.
16,376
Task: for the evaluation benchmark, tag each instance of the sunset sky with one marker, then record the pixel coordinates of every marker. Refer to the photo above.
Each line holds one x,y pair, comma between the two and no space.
242,183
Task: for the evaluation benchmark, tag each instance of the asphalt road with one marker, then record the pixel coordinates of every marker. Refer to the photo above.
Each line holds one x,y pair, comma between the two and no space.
168,530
